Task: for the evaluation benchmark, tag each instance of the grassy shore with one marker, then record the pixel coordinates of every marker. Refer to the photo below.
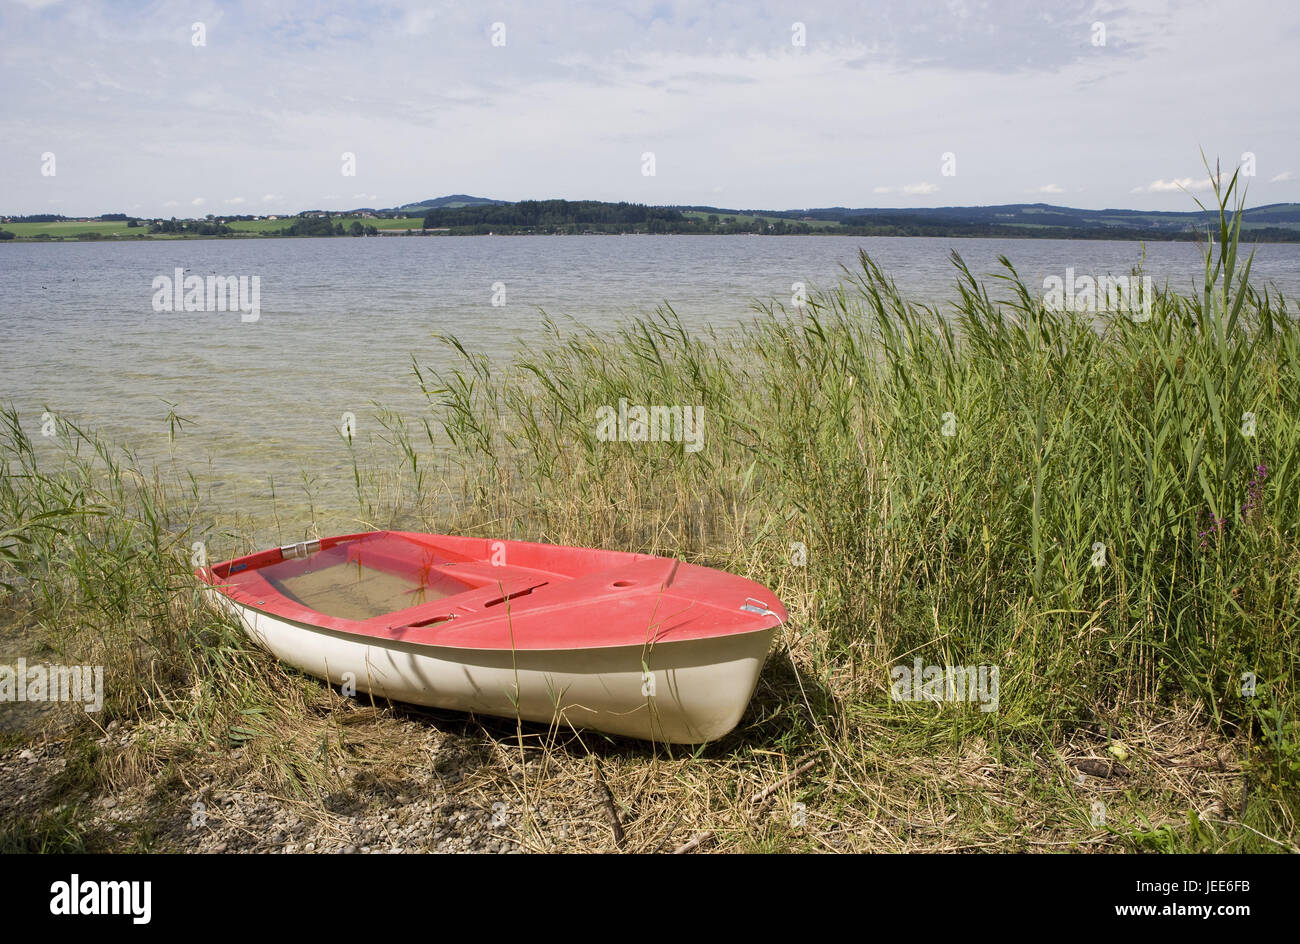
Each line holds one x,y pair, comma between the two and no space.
1102,506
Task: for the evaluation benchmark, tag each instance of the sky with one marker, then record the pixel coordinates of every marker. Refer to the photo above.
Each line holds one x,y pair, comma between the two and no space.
186,109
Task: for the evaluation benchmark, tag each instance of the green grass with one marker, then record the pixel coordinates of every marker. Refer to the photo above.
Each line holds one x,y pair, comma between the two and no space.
271,226
826,427
72,229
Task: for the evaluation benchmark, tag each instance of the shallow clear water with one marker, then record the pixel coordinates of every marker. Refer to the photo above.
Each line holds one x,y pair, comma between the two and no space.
341,319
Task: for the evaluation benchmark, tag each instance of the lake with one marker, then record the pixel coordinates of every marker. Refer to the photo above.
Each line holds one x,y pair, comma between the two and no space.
340,320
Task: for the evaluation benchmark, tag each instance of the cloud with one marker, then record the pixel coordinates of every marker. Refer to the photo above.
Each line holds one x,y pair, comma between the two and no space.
1282,177
1046,188
909,189
589,91
1176,185
171,203
198,201
235,200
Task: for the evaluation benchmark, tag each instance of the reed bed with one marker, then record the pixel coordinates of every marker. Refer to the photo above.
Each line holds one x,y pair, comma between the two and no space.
1102,506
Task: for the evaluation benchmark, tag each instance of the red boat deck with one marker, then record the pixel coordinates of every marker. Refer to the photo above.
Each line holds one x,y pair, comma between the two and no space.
476,593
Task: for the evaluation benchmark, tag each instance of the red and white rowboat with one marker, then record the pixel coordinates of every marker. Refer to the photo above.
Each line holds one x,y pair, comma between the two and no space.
631,644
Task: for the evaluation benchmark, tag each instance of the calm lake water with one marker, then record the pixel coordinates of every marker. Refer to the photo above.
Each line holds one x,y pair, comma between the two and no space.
341,319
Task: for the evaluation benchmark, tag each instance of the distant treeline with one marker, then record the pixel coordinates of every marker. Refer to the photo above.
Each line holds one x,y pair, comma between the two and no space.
909,226
326,226
550,214
887,226
590,216
190,228
301,226
56,218
578,216
1274,223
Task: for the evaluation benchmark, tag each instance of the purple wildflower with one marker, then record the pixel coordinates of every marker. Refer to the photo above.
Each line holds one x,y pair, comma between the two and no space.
1252,490
1215,528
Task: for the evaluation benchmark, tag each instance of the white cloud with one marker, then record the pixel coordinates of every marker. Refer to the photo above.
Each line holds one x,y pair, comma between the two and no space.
1282,177
198,201
171,203
234,201
1176,185
1046,188
909,189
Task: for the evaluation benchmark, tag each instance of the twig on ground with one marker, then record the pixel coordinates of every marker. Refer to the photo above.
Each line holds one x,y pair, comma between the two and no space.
607,797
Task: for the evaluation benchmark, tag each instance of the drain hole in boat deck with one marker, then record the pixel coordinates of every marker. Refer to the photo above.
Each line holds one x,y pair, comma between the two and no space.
623,583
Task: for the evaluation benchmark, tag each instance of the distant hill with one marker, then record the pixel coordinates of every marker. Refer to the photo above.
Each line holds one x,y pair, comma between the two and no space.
1274,222
1029,217
462,214
1278,222
452,202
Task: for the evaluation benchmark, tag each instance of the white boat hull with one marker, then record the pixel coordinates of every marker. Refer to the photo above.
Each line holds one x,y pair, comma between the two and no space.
694,691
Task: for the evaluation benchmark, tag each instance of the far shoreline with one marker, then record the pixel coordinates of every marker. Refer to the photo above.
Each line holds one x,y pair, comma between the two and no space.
1084,236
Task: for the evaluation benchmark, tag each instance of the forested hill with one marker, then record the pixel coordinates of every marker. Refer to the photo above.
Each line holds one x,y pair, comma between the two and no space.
1275,223
462,214
552,215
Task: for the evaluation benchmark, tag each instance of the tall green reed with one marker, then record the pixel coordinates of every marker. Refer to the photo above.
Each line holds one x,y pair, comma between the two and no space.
1080,497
